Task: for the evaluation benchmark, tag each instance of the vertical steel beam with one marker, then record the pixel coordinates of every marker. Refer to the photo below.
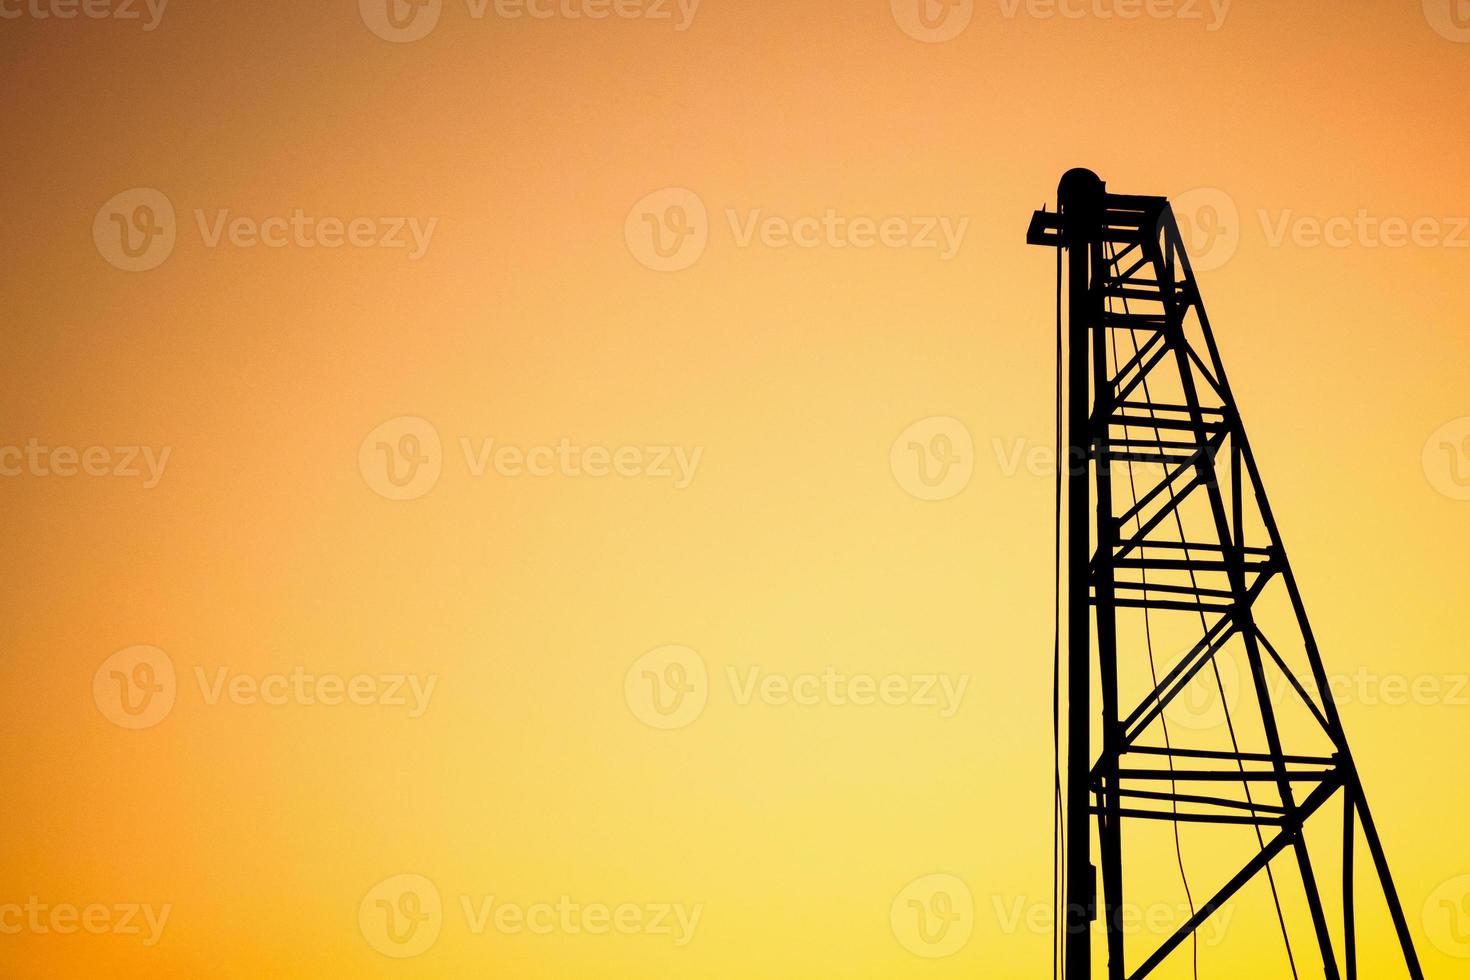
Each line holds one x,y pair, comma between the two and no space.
1110,829
1080,199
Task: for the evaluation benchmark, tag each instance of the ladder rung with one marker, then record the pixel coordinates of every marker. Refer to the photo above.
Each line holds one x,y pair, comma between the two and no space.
1226,818
1305,760
1130,292
1163,407
1156,444
1171,604
1163,459
1173,589
1199,546
1227,775
1188,564
1134,321
1154,422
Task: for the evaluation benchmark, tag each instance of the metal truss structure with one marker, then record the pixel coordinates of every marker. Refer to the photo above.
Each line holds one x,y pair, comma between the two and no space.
1168,529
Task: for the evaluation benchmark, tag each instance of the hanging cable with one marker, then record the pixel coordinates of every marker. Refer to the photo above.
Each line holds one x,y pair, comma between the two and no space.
1215,667
1149,644
1058,854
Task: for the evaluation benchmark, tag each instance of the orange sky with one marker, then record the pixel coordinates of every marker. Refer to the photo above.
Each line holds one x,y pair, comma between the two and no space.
758,515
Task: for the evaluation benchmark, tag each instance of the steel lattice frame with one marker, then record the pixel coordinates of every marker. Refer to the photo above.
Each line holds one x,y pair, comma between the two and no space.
1131,549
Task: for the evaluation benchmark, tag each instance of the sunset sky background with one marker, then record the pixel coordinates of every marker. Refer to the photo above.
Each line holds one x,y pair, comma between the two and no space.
533,317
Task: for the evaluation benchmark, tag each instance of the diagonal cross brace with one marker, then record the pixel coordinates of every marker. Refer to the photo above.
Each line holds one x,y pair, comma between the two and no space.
1291,828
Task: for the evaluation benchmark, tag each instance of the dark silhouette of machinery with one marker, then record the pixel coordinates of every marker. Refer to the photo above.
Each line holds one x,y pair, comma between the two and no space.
1177,603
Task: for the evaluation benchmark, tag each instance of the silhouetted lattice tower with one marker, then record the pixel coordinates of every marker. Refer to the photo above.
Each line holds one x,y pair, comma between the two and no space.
1169,546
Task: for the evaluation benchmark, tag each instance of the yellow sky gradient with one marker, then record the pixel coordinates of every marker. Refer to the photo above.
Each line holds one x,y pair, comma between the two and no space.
268,545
